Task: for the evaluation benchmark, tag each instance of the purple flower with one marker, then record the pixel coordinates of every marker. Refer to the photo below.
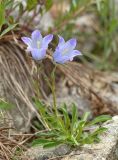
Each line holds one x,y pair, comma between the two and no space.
65,51
37,45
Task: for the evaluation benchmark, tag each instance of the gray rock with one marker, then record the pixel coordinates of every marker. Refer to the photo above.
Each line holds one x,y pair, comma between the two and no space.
38,153
69,95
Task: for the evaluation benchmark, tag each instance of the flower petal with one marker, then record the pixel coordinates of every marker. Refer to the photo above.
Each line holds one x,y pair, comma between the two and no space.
71,44
63,60
61,40
38,54
27,40
36,35
61,43
67,47
46,40
74,53
59,58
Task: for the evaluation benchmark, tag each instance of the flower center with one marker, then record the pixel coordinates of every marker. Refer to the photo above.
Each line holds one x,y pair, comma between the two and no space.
65,51
39,44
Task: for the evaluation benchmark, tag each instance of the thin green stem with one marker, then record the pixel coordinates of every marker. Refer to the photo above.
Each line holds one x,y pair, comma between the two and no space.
54,91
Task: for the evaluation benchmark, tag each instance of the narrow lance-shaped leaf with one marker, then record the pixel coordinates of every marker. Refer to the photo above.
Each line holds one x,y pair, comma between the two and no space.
31,4
48,4
74,115
4,105
11,27
66,116
2,14
40,142
51,144
85,116
99,119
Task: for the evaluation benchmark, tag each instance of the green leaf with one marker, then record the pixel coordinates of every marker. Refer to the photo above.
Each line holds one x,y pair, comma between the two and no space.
11,19
93,137
74,114
85,116
47,134
79,129
8,4
88,140
2,14
66,116
5,106
38,103
113,25
60,124
48,4
98,3
74,140
21,8
51,144
99,131
31,4
74,5
40,142
11,27
99,119
46,143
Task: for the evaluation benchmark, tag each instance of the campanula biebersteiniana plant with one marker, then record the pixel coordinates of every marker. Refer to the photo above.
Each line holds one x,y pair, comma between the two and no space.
61,128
